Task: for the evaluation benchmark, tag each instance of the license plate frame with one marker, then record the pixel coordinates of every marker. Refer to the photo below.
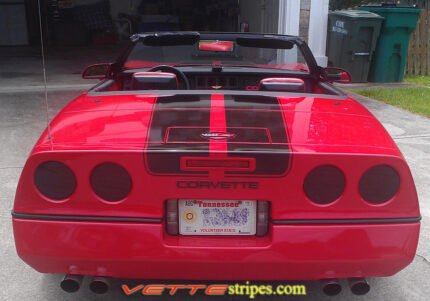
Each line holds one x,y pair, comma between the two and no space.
217,217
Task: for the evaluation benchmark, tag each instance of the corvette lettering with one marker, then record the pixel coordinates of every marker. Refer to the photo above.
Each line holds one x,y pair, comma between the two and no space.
216,185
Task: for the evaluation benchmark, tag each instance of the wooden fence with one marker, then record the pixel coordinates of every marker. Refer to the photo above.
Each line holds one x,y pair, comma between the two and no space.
419,48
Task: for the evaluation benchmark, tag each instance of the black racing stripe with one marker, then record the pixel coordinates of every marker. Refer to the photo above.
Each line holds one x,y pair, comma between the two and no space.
256,121
163,120
259,112
169,114
270,120
184,102
251,102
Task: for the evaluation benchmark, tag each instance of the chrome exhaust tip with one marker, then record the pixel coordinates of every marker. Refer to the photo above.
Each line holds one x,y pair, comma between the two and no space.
71,283
359,286
331,287
100,285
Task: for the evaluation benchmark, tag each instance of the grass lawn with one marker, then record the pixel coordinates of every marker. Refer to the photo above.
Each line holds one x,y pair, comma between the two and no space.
414,99
418,80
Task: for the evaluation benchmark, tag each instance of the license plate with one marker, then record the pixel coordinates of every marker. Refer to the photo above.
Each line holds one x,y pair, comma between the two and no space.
204,217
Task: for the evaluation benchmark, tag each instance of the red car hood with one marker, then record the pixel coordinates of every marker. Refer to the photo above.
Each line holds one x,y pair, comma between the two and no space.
219,122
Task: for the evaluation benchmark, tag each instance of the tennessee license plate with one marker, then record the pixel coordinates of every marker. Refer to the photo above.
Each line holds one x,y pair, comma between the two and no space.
204,217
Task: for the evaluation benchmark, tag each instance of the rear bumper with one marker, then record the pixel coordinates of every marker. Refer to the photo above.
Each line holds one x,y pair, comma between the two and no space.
145,251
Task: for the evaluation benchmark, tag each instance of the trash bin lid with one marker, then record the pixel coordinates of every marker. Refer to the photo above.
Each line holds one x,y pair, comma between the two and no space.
391,7
356,14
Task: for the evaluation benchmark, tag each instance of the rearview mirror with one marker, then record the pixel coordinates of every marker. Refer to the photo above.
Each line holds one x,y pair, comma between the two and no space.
97,71
336,75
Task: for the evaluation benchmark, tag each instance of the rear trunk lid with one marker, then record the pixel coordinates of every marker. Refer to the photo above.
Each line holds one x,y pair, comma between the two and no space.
233,125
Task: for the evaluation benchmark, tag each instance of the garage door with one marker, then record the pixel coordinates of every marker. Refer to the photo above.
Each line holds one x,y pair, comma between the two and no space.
261,15
13,24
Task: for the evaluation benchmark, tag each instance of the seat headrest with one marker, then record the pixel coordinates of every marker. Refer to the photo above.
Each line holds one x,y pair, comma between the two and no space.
294,85
154,81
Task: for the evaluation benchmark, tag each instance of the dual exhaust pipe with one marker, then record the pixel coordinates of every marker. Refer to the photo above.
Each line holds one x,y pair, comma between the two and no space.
72,283
358,286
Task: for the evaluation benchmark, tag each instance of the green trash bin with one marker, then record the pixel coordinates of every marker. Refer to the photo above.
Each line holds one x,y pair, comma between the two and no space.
352,37
392,49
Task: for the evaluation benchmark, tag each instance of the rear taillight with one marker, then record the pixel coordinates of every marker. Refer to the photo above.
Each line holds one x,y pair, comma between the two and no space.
379,184
111,182
55,180
324,184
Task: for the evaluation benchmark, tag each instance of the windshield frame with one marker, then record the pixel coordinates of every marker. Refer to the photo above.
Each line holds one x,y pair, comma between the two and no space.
195,37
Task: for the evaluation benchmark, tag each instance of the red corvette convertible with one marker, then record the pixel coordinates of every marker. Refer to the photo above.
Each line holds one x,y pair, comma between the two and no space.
217,156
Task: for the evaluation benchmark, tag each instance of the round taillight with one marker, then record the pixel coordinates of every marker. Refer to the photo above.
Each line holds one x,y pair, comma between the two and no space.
111,182
379,184
55,180
324,184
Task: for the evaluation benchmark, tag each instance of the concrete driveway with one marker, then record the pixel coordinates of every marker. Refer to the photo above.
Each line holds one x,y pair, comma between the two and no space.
22,119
